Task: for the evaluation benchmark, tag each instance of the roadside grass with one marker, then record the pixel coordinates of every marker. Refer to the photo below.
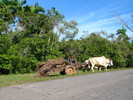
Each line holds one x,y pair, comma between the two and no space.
15,79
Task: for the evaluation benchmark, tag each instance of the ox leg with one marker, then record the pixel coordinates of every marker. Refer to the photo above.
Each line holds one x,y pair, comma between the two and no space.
92,68
105,68
86,67
99,68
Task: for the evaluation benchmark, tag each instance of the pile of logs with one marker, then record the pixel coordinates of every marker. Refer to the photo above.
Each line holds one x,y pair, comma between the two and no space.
45,68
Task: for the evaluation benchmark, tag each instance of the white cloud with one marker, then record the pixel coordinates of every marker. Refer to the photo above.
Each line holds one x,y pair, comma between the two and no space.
108,25
86,17
97,23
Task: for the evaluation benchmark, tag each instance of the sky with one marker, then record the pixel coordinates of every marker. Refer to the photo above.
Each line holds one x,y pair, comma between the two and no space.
91,15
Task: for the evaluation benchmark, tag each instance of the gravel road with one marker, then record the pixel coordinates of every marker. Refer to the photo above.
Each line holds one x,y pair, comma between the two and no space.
117,85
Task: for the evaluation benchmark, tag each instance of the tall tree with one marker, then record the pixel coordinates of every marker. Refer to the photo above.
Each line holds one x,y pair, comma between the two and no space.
122,34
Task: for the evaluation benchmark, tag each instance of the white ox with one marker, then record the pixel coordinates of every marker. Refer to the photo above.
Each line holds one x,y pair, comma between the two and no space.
100,62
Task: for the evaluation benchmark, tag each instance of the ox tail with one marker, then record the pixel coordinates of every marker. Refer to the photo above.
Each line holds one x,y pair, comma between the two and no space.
87,66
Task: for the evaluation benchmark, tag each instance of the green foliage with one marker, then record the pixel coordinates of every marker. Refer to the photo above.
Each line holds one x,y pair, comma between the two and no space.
29,34
122,34
23,64
130,56
5,44
5,64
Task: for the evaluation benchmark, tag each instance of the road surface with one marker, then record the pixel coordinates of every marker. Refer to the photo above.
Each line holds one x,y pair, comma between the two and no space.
117,85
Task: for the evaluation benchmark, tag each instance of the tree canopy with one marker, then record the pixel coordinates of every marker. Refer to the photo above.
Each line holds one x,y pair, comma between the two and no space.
29,34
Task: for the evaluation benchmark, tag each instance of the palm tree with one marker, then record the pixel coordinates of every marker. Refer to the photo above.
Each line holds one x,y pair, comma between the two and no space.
19,5
122,34
6,15
34,9
6,10
13,6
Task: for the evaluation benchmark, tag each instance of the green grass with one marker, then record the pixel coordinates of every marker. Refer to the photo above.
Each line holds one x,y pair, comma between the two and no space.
15,79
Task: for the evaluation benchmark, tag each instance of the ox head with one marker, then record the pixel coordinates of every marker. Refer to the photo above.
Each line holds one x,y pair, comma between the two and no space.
86,62
110,62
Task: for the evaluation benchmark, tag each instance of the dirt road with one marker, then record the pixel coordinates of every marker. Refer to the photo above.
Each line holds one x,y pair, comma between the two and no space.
117,85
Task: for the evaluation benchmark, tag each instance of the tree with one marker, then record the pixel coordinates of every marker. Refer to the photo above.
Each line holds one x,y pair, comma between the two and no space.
6,15
67,29
128,23
35,8
122,34
71,47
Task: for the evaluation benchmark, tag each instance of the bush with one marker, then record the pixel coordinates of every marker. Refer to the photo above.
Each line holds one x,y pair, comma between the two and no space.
5,64
23,64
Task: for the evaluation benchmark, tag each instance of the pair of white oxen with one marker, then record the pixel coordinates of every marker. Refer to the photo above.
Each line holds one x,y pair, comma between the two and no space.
98,62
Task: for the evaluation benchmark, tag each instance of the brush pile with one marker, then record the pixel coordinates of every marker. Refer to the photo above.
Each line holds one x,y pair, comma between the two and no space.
50,66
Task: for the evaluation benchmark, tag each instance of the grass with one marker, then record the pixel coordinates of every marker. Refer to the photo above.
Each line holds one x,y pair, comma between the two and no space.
15,79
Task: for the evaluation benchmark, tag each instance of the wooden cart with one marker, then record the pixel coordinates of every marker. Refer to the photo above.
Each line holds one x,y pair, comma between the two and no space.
59,65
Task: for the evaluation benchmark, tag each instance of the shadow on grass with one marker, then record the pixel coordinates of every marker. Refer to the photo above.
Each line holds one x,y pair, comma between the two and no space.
52,75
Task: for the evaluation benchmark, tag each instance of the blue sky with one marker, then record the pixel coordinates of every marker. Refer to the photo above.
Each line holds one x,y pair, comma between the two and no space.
91,15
